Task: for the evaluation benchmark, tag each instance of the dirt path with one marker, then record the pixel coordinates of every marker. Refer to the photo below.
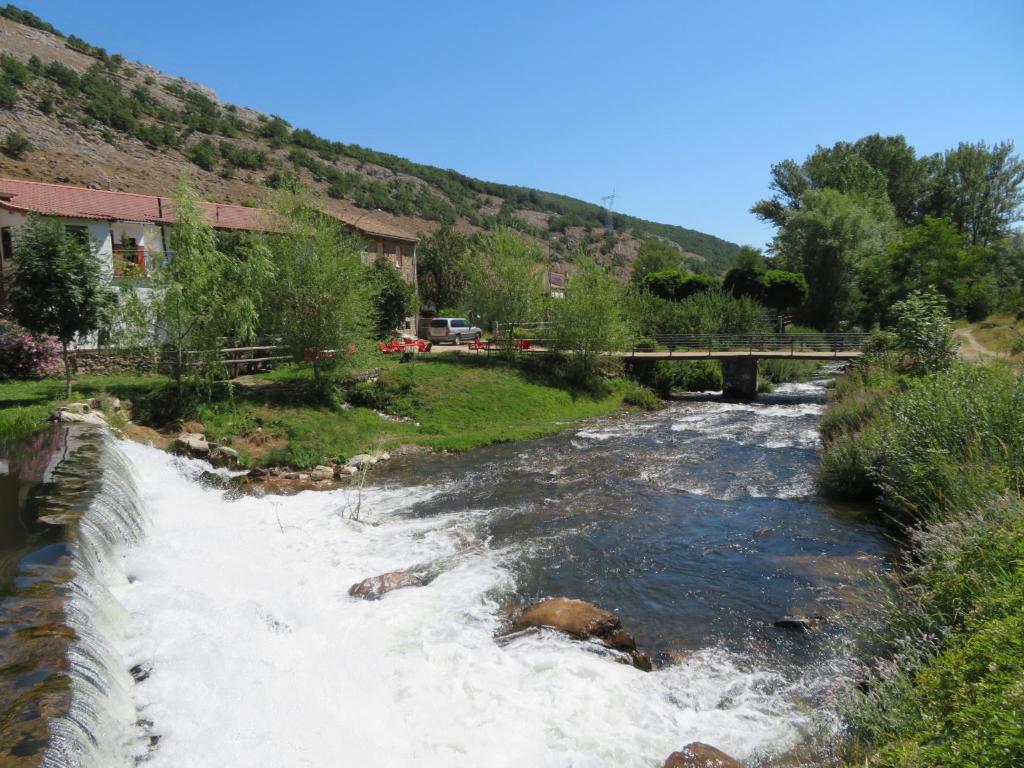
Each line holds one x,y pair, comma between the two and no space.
971,349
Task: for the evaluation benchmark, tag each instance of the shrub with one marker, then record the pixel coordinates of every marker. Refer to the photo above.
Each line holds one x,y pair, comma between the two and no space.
8,95
24,355
924,332
642,398
64,76
14,71
203,154
16,145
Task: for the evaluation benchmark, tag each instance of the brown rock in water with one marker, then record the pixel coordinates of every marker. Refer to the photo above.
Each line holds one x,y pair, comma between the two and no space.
583,620
574,617
375,587
697,755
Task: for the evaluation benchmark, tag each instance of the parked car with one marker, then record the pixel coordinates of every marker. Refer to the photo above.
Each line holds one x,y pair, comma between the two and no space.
453,329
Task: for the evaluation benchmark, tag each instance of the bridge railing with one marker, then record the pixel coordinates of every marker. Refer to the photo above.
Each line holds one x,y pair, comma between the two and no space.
754,342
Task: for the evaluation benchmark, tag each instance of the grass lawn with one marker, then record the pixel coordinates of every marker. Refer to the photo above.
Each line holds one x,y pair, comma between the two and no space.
25,405
454,402
451,402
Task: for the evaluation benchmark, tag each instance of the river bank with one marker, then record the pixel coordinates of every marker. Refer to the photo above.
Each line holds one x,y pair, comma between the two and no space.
696,524
942,455
453,403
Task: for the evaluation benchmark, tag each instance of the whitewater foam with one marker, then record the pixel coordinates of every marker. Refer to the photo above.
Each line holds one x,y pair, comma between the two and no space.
258,655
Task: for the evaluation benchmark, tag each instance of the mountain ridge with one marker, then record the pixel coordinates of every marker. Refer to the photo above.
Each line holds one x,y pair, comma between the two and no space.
95,118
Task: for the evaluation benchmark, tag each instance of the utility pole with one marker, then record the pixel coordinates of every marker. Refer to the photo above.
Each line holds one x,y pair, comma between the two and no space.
609,207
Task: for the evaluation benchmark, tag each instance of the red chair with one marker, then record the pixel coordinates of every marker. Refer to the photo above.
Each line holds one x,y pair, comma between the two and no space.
384,348
396,347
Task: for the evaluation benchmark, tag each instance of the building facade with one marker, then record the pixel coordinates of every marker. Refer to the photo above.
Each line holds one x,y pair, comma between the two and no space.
130,233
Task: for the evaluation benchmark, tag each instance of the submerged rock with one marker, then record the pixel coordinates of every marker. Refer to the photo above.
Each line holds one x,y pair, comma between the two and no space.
799,623
698,755
584,621
376,587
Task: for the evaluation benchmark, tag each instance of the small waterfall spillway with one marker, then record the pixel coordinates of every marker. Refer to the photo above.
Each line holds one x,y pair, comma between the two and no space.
214,628
100,725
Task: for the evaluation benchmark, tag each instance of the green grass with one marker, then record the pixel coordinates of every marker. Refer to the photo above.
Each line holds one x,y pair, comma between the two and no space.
455,403
26,405
944,455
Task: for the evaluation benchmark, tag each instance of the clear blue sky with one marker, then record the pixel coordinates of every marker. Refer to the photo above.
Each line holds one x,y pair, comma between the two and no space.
680,107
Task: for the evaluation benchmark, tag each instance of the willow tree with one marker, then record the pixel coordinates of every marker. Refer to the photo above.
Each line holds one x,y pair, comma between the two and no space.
507,285
322,299
201,294
590,320
58,285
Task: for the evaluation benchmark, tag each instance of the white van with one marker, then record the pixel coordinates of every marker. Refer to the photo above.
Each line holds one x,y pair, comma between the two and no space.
454,329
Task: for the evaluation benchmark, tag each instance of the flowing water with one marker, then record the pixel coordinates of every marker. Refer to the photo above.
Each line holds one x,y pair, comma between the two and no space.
698,525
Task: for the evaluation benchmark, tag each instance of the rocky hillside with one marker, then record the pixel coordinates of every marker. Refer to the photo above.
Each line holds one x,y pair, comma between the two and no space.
94,118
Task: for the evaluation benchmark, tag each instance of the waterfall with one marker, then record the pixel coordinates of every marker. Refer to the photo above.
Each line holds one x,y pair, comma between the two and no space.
99,728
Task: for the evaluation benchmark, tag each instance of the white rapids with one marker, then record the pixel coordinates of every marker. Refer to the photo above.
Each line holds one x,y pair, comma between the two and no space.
259,657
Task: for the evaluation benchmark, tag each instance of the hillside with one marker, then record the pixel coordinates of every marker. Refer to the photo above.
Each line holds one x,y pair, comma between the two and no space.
94,118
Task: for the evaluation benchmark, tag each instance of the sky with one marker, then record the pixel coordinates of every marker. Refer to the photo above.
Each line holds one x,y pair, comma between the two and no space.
680,108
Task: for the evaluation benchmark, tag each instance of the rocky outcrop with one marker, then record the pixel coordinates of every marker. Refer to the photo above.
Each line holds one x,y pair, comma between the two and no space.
223,456
376,587
698,755
584,621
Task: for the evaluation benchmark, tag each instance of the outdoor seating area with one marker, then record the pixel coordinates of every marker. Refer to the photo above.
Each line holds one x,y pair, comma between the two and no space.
405,346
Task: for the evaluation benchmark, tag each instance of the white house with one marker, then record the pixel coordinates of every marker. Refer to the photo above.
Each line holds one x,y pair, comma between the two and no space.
129,231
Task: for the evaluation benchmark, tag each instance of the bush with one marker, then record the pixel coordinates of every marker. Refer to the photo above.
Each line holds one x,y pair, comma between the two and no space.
954,438
924,332
16,145
642,398
27,356
203,154
8,95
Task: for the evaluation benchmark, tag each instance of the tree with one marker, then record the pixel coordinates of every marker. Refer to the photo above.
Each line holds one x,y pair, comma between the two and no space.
979,188
826,239
443,267
322,302
782,290
924,332
590,320
655,255
202,294
58,285
393,297
506,287
931,256
673,285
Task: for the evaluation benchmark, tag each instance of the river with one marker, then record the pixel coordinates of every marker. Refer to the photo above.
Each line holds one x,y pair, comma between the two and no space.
698,525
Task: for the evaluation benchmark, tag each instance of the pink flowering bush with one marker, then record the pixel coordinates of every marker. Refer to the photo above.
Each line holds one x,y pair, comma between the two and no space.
24,355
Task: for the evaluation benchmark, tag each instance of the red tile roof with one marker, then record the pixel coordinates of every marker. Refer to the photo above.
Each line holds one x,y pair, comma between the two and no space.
82,203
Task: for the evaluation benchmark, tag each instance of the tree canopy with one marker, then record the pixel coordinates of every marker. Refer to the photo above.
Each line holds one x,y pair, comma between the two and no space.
58,286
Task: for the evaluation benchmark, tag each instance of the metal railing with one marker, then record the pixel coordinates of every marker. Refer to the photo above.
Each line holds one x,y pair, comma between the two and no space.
754,342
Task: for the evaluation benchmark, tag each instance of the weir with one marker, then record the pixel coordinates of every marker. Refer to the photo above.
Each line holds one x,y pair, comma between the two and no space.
99,729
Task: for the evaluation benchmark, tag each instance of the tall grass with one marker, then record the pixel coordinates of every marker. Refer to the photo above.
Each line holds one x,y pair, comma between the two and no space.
944,454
